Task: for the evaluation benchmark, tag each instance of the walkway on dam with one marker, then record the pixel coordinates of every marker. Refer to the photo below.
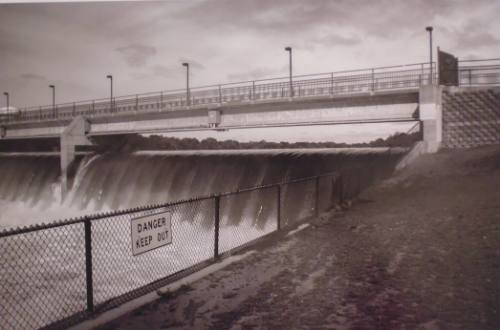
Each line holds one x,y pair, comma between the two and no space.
418,251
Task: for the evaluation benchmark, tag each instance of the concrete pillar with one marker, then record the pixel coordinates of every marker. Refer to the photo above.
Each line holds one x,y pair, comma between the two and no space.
430,114
73,135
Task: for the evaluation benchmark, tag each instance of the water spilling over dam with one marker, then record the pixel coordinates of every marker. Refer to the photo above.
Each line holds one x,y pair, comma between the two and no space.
56,262
30,191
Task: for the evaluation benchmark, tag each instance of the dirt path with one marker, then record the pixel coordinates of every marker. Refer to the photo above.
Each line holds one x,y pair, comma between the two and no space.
419,251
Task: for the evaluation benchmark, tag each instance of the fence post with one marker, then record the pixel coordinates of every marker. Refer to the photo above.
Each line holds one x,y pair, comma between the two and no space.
316,206
470,77
88,264
278,208
253,90
220,94
74,109
217,223
136,102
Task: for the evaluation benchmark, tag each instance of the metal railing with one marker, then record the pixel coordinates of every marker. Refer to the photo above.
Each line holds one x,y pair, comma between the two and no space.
338,83
55,275
479,72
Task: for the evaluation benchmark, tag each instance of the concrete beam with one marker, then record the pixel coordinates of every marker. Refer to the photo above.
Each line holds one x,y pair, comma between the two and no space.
265,113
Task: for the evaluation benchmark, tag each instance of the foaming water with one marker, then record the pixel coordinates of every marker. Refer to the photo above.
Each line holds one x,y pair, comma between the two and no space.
30,183
49,265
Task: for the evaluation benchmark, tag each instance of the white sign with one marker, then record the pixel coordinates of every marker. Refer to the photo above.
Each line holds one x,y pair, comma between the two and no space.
151,232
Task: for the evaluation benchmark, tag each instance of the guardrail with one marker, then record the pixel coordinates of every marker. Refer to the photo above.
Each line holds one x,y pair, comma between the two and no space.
338,83
55,275
479,72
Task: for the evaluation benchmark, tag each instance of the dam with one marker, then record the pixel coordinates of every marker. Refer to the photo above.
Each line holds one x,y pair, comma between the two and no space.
216,202
249,194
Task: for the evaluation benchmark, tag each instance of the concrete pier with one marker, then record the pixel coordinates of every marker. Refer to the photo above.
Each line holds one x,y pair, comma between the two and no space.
75,134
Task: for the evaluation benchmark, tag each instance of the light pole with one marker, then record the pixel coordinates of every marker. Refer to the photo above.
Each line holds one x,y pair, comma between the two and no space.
110,77
53,99
7,99
188,101
289,50
429,29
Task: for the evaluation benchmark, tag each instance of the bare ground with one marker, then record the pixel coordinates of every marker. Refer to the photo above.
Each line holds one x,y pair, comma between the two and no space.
418,251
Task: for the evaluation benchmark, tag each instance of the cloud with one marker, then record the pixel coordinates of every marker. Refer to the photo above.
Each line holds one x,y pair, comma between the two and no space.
470,39
331,40
164,71
475,34
289,18
254,74
32,76
137,55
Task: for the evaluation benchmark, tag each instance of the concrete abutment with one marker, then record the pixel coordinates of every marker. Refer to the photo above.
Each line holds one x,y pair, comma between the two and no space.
431,117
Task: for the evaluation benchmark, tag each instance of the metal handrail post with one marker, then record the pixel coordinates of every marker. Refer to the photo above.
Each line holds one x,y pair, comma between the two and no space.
373,80
331,83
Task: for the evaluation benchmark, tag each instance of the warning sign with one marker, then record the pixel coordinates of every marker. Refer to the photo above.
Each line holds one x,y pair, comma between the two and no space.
150,232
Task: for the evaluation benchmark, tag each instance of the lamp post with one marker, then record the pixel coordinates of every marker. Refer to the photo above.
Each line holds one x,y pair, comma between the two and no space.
110,77
188,97
7,99
429,29
289,50
53,99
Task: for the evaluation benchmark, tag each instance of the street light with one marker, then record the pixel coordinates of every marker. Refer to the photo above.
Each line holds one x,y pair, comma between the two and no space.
7,99
188,101
110,77
289,50
53,99
429,29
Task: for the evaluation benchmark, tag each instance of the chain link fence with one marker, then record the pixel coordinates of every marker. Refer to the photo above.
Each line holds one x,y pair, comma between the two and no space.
55,275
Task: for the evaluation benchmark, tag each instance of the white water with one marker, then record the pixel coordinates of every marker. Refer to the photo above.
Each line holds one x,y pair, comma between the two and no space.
43,272
104,183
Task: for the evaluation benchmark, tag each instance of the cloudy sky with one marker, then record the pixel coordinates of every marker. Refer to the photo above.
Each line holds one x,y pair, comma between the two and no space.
143,43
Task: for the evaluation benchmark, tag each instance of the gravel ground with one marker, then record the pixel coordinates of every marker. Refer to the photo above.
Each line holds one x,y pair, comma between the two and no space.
418,251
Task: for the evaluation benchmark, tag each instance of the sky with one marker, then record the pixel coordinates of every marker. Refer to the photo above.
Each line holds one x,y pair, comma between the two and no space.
143,43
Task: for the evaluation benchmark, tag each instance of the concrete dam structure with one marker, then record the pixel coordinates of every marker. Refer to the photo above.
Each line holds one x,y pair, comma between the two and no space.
391,94
215,203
